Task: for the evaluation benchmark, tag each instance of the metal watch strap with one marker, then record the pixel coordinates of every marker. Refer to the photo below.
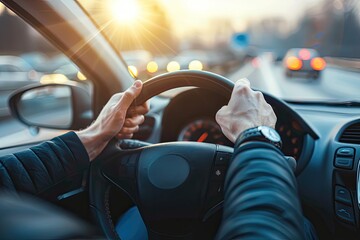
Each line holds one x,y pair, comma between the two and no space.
254,134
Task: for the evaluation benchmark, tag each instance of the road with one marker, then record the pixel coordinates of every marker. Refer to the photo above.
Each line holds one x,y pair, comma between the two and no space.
334,82
13,133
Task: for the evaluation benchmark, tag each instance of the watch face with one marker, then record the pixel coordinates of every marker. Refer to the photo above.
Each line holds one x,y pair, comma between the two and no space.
270,134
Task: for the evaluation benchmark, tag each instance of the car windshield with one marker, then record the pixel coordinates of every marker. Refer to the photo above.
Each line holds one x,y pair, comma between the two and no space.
306,50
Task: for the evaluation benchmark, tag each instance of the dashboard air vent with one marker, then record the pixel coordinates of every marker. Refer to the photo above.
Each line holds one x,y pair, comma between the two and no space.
351,134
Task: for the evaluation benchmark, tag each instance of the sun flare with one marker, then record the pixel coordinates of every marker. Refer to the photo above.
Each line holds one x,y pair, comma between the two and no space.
124,11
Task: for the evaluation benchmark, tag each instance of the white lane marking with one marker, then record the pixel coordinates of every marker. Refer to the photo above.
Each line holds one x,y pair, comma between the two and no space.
243,72
266,72
268,76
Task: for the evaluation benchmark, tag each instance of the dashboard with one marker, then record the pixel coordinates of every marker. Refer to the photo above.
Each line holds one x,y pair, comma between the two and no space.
190,116
323,138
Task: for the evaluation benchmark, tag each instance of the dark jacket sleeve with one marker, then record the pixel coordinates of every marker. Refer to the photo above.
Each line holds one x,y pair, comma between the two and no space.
38,168
261,199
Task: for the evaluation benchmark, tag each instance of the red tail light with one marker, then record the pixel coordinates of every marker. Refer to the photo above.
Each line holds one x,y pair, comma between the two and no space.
304,54
293,63
318,63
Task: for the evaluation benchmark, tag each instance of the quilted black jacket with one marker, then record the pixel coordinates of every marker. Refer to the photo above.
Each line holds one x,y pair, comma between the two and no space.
43,166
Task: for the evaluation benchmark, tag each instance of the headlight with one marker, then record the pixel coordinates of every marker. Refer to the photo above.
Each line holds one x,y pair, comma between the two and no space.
152,67
196,65
53,78
173,66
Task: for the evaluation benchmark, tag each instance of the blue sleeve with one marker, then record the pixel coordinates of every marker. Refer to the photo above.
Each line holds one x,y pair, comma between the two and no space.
41,167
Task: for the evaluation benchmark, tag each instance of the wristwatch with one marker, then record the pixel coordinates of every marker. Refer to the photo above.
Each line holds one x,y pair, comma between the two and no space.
261,133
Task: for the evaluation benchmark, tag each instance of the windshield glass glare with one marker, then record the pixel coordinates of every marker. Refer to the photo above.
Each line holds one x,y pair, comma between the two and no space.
306,50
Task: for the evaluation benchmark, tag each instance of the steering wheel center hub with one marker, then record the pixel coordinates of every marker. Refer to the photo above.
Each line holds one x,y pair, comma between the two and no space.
169,171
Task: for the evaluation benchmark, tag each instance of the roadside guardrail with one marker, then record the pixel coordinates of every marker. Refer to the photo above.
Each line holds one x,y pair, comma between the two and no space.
352,63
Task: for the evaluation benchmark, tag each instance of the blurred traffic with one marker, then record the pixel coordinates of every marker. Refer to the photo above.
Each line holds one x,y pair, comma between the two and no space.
18,71
303,61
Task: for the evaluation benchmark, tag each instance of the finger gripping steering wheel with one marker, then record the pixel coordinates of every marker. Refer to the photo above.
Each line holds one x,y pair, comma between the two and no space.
177,185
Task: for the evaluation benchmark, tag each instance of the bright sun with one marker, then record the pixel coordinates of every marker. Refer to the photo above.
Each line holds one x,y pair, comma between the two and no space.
124,11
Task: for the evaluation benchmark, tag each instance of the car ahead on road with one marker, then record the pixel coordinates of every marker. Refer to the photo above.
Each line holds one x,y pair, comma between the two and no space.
322,135
303,62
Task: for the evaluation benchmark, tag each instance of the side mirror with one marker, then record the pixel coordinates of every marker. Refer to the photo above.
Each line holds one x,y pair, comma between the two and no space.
57,106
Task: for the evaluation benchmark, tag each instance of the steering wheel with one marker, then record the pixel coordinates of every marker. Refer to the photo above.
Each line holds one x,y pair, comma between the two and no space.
176,185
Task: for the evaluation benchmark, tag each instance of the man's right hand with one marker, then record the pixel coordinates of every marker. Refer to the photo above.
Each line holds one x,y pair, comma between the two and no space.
117,118
246,109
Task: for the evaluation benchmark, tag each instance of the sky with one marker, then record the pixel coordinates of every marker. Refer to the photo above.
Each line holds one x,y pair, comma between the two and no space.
213,22
189,15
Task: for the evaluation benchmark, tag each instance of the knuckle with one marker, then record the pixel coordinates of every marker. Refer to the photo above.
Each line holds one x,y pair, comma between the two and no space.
274,116
113,107
126,94
128,122
136,129
218,116
129,94
259,95
243,90
142,119
120,116
132,112
147,106
125,130
269,107
116,96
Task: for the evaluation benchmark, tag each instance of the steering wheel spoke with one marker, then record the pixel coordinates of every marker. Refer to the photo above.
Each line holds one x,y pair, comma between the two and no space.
121,171
177,185
215,188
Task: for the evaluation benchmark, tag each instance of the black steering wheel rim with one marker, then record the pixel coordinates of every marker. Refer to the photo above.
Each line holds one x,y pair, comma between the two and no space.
113,158
185,78
99,184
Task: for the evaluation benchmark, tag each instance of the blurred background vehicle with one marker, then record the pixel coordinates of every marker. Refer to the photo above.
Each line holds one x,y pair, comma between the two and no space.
36,60
14,73
71,71
137,61
304,62
14,68
191,59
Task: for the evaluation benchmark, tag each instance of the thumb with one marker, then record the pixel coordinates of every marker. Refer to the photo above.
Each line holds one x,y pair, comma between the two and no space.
129,95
